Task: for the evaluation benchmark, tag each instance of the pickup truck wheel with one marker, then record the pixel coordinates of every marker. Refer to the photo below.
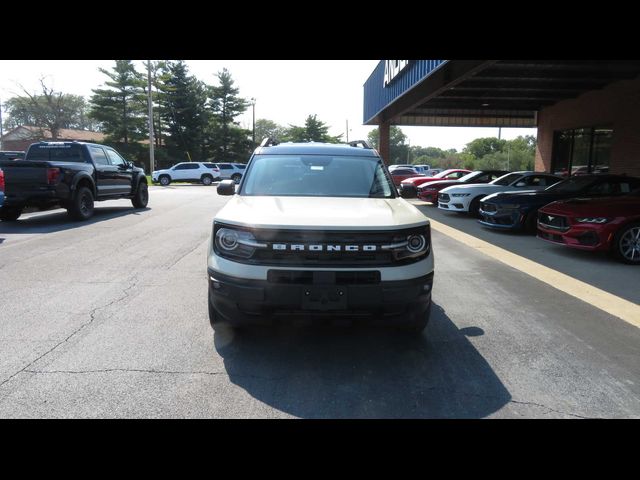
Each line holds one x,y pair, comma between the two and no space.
82,204
236,177
206,180
164,180
8,214
141,198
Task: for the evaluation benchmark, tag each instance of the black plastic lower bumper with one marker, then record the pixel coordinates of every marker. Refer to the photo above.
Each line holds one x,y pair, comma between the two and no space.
239,301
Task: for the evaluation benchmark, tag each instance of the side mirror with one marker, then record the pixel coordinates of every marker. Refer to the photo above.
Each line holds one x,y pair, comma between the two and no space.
227,187
408,191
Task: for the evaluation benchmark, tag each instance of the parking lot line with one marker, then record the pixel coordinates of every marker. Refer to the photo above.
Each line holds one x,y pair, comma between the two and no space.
619,307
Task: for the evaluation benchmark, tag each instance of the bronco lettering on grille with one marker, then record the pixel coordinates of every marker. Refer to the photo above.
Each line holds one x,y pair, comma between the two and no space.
323,248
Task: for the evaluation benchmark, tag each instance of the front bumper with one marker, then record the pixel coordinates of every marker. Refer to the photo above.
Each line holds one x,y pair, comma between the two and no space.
428,196
455,204
589,238
502,219
319,294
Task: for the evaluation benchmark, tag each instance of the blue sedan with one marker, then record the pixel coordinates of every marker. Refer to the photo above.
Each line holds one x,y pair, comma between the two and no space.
519,210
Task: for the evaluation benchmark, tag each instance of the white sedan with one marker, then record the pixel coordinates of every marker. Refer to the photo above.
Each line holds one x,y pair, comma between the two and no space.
466,198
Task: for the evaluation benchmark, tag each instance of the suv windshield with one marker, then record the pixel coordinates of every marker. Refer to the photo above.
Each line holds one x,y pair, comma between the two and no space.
317,175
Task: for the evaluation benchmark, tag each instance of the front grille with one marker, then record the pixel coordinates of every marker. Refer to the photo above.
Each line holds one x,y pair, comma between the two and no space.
554,222
488,207
443,197
552,237
301,277
342,259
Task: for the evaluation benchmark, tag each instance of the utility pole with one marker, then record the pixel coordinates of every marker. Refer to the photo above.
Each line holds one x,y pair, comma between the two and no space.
253,105
151,146
347,130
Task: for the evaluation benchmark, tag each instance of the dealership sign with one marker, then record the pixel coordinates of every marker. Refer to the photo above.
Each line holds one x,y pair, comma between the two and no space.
392,68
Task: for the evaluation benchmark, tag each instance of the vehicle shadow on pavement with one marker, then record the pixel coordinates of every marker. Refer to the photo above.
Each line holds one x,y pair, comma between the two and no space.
58,220
350,372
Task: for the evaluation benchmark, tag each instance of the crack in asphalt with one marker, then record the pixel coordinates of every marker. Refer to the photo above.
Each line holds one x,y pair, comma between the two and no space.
198,243
92,315
548,408
151,371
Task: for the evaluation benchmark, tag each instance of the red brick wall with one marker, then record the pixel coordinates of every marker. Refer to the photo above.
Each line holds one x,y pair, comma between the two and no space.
617,104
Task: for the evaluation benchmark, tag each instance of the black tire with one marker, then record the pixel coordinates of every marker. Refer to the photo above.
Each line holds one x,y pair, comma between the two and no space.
531,223
474,207
164,180
141,198
236,177
626,244
10,214
82,204
206,180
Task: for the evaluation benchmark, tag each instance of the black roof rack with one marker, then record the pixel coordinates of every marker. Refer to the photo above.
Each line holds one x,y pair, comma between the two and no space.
364,144
269,142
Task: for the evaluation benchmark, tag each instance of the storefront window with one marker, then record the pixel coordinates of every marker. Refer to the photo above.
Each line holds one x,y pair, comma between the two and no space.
582,150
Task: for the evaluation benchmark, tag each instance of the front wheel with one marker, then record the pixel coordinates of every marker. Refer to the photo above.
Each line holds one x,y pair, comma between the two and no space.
82,204
627,244
206,180
236,177
9,214
164,180
474,207
141,198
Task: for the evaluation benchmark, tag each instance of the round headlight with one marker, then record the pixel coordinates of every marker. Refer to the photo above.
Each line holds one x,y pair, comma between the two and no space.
416,243
227,239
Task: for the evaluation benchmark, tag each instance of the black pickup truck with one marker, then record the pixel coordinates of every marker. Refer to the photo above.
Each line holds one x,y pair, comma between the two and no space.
72,175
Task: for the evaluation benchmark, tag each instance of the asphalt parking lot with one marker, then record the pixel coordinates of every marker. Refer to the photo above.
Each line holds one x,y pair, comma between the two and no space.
108,319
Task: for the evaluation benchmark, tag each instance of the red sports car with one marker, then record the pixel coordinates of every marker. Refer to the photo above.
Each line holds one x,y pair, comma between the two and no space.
451,174
610,223
399,174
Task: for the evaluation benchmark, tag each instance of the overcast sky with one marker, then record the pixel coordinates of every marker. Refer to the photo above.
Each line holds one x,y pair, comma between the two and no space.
286,91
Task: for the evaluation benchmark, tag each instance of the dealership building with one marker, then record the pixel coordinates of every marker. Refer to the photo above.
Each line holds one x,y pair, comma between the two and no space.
587,112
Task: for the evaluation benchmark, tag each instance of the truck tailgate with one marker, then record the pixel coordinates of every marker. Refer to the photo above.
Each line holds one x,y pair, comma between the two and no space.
24,176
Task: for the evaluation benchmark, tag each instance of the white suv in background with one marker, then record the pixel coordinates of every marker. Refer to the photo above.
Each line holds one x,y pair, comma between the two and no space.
231,171
204,172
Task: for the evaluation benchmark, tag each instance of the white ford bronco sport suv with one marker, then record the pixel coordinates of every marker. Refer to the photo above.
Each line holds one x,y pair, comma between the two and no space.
317,231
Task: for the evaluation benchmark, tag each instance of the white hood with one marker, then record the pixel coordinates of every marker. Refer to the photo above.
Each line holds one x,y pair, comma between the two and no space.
321,213
478,188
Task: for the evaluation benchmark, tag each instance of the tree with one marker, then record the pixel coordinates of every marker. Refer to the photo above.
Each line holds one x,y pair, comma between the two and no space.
398,150
267,128
226,105
183,107
48,110
314,130
121,108
484,146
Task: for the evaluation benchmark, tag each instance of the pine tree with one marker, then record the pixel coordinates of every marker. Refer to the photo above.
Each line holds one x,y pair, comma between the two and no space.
228,140
183,99
120,109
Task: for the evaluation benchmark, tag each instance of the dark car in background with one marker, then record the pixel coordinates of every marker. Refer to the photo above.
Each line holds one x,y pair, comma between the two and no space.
72,175
11,155
604,224
429,191
1,187
519,210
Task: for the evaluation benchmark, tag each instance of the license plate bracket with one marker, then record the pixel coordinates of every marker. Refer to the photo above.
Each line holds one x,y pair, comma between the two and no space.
323,298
